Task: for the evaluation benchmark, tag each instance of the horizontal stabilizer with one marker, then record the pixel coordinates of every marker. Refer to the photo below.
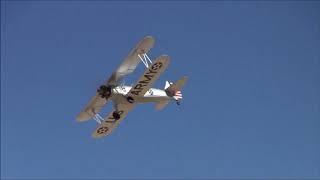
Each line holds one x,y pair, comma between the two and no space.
177,86
174,89
160,105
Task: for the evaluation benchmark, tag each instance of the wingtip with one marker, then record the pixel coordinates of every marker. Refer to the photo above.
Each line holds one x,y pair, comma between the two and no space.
185,77
83,116
165,56
149,37
145,44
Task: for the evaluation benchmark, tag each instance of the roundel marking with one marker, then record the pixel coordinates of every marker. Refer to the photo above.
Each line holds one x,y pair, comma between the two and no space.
156,66
102,130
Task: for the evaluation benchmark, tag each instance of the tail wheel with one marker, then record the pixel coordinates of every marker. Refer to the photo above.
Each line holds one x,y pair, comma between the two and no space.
130,99
116,115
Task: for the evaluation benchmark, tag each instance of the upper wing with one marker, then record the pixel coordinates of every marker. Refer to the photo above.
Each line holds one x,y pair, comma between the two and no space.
126,67
132,60
149,76
92,108
109,123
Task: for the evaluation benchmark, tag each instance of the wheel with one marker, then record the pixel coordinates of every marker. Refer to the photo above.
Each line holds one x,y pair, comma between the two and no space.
116,115
130,99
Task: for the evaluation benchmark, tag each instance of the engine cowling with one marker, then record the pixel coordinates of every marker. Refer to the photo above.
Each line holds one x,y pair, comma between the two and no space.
104,91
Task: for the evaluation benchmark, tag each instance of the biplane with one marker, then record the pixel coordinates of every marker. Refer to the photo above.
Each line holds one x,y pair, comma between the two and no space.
125,98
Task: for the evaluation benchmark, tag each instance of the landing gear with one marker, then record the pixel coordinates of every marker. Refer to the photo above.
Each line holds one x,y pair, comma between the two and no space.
116,115
104,91
178,103
130,99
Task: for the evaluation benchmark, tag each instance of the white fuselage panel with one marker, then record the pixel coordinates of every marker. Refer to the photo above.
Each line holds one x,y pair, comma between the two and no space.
152,95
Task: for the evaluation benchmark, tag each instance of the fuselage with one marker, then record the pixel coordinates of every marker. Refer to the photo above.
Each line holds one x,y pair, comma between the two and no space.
152,95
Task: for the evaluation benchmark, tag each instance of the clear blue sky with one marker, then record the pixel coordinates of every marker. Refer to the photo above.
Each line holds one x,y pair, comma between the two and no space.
251,107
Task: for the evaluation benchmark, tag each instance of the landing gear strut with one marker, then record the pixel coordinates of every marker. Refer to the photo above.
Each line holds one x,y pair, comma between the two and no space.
130,99
104,91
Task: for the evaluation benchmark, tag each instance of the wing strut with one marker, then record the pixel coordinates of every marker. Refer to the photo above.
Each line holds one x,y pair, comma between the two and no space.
98,118
145,59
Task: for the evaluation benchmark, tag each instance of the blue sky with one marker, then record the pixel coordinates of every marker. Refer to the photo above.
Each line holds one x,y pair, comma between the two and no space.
250,109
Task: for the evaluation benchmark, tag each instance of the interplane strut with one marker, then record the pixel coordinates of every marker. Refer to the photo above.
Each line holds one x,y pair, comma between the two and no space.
145,59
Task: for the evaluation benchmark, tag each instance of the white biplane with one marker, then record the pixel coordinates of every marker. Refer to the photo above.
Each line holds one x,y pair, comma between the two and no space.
126,97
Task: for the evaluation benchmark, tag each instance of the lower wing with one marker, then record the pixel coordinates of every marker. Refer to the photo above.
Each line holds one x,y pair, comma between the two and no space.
92,108
112,121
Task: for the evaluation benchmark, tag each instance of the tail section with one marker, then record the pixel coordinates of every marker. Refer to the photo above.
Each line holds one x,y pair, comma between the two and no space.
177,95
174,89
167,84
